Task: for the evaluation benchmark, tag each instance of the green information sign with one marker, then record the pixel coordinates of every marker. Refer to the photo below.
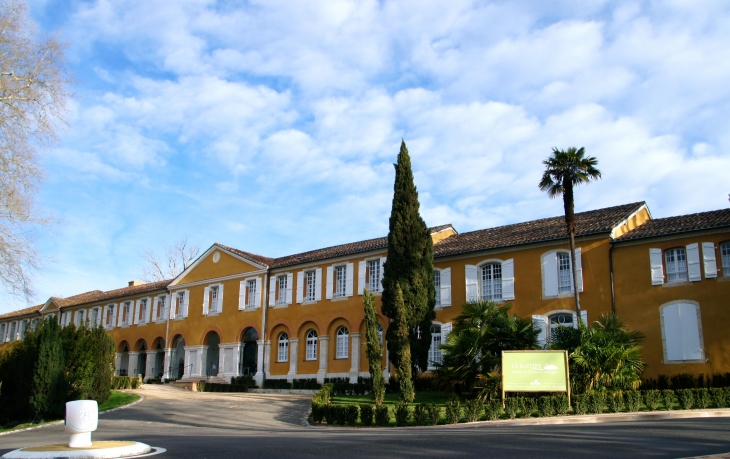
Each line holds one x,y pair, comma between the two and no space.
534,371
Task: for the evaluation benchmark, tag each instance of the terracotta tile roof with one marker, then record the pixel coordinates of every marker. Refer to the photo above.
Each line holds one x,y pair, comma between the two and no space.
436,229
260,259
76,299
22,312
547,229
332,252
681,224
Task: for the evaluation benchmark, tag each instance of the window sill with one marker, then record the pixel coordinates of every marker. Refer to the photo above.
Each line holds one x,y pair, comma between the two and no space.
280,306
179,318
308,302
676,284
723,278
248,309
213,314
339,298
559,295
675,362
341,358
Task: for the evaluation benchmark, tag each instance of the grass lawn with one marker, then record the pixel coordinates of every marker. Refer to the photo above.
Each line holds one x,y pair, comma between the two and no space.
116,400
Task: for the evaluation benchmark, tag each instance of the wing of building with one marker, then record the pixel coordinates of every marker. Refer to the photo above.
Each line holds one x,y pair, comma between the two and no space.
234,313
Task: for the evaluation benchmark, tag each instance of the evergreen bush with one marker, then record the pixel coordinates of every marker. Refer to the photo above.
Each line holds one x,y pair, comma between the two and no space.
248,381
529,406
323,395
434,413
48,393
16,369
580,404
366,414
492,408
545,406
615,401
668,397
596,402
718,397
651,399
104,357
632,400
683,381
318,412
402,414
382,416
453,411
561,404
351,414
472,410
686,398
420,415
703,400
277,384
511,406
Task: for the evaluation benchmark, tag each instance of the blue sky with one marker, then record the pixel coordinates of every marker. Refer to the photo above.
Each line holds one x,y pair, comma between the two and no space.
272,126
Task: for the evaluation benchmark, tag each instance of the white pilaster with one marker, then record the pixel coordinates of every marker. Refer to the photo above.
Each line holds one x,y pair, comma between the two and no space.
323,358
355,358
119,363
293,359
166,365
132,369
150,366
259,376
267,357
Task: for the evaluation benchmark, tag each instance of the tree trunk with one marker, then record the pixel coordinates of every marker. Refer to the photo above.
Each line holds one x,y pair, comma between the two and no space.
575,275
569,206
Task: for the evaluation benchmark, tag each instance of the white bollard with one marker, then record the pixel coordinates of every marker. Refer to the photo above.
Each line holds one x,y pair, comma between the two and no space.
82,418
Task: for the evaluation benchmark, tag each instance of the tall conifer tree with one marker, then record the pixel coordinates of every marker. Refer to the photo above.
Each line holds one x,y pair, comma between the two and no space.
409,268
374,348
48,385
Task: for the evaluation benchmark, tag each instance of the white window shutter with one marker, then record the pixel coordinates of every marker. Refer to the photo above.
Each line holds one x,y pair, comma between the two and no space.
672,333
114,316
693,262
328,293
349,279
149,310
318,285
289,286
691,346
708,256
185,303
578,269
584,316
242,286
166,305
508,279
120,314
445,287
382,271
550,274
103,315
272,291
540,323
472,290
257,297
300,286
657,268
445,330
361,268
219,306
136,308
206,295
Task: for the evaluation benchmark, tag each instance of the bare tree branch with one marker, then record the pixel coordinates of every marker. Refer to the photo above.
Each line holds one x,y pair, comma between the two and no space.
33,97
177,258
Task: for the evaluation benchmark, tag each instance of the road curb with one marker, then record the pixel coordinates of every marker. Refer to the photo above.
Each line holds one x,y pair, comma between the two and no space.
55,423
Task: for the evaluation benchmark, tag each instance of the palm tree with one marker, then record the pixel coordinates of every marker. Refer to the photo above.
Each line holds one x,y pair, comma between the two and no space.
564,170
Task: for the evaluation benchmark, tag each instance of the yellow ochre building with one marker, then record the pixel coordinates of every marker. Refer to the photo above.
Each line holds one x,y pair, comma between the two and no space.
235,313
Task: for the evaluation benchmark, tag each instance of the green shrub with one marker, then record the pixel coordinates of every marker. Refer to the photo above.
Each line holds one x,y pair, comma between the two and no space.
545,406
382,416
529,406
351,414
402,414
124,382
472,410
277,384
492,408
318,412
202,387
668,397
719,397
511,406
341,414
154,381
309,383
651,399
702,398
615,401
561,404
434,413
323,395
366,414
453,411
596,402
632,400
420,415
686,398
247,381
580,404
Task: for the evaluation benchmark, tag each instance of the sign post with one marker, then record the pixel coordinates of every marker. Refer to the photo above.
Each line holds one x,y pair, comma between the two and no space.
535,371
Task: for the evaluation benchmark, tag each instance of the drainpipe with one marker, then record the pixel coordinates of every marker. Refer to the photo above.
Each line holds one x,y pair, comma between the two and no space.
265,308
610,268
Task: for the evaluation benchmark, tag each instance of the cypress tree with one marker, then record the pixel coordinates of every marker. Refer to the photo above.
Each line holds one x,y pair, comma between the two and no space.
48,391
400,339
374,348
78,353
409,268
16,369
104,359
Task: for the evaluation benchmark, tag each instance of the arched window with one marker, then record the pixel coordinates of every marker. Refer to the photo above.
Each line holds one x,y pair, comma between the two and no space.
343,342
564,319
283,347
491,277
434,352
676,261
311,345
725,253
380,334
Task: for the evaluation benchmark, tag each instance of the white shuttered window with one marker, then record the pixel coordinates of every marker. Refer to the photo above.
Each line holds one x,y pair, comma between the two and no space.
676,261
725,253
681,333
343,343
311,345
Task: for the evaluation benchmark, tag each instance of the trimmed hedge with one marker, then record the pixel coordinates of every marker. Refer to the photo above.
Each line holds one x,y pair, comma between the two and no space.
126,382
217,387
277,384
